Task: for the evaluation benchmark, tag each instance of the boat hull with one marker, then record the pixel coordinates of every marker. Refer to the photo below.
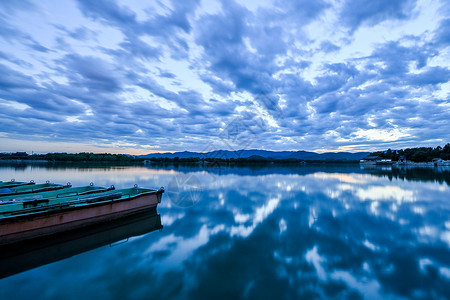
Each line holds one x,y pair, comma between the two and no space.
29,254
27,226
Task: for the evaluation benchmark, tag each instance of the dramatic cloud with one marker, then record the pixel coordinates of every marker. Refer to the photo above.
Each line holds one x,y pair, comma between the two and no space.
205,75
358,12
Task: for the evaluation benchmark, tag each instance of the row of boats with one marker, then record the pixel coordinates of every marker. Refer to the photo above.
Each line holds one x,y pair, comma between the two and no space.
29,210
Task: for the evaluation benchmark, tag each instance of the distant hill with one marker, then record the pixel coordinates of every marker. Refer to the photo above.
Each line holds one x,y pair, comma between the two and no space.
226,154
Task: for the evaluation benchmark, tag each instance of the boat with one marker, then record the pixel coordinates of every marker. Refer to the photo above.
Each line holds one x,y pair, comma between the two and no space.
32,188
40,217
29,254
67,192
13,183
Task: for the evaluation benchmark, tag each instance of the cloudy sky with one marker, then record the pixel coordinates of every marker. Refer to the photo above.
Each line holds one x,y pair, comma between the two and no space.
143,76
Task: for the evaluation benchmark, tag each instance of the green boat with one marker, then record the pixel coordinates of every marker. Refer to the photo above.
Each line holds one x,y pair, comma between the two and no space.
41,216
62,193
32,188
13,183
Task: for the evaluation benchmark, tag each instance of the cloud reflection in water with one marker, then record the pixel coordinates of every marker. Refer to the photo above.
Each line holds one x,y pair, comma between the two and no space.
321,234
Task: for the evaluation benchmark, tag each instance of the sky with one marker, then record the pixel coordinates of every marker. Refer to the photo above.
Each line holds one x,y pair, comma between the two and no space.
153,76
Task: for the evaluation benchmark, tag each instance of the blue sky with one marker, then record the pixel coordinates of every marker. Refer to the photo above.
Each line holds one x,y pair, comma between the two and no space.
144,76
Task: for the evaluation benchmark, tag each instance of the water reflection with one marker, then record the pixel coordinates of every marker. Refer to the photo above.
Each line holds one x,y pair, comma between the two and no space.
295,232
27,255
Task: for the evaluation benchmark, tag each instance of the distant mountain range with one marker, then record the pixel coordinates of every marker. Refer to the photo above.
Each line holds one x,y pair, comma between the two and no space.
305,155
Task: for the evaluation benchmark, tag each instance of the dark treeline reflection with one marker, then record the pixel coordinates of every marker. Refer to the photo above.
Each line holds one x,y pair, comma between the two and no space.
438,174
257,168
308,232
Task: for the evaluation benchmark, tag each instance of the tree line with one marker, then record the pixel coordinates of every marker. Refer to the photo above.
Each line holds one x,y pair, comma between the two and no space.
255,159
421,154
62,156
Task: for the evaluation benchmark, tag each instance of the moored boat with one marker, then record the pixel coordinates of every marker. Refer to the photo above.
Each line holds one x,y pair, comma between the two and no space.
32,188
66,192
13,183
45,216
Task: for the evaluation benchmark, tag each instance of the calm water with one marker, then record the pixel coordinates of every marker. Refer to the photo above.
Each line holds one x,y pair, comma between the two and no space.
260,233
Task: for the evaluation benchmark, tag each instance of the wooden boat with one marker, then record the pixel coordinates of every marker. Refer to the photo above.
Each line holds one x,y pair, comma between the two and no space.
25,255
66,192
32,188
40,217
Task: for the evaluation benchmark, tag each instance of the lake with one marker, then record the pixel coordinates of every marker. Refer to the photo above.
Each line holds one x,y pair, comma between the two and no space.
260,232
